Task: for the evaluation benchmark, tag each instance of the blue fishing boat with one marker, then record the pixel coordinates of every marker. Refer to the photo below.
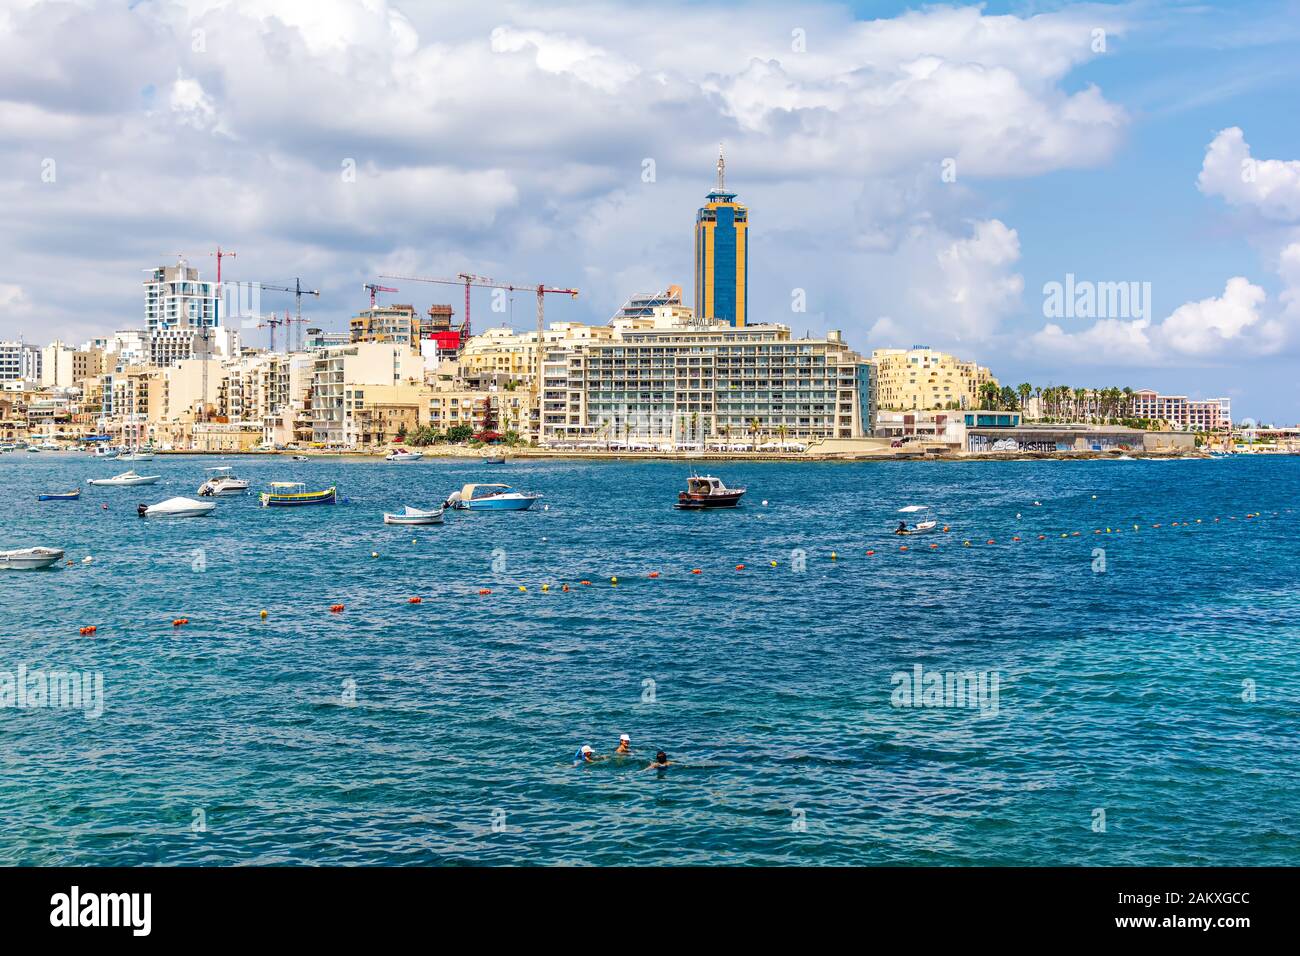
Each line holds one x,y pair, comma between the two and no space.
491,498
72,495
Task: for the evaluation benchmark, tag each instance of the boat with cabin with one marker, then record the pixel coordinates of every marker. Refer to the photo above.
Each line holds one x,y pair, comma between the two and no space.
491,497
706,491
223,482
29,559
127,479
404,454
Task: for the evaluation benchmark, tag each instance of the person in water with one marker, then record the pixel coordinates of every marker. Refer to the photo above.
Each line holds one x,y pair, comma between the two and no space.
584,755
624,745
660,762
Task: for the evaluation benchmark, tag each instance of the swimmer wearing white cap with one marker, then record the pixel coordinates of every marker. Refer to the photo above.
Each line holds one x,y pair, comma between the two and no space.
624,744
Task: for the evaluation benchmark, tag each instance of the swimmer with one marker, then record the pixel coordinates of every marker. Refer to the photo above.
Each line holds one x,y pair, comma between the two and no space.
584,755
660,762
624,744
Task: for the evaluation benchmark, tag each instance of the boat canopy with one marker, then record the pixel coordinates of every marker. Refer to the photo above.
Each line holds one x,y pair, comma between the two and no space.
287,484
910,509
469,492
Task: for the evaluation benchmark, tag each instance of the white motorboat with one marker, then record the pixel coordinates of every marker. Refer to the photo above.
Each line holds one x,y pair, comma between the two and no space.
29,559
404,454
135,456
107,451
224,482
49,445
494,497
127,479
177,508
411,515
926,523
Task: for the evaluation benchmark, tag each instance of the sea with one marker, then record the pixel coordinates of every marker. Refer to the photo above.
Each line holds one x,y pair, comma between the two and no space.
1087,663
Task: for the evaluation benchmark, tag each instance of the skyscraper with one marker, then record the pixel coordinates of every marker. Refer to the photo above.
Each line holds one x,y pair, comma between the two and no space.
721,254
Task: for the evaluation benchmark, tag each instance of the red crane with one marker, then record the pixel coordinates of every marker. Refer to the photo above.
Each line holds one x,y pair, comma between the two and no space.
541,290
372,289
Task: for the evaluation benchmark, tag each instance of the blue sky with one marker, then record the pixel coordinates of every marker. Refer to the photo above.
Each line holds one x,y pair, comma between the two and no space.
511,139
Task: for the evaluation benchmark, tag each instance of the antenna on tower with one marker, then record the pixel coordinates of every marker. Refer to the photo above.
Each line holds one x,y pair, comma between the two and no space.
722,169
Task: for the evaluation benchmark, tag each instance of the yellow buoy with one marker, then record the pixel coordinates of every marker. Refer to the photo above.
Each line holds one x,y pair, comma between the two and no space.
374,554
263,614
613,580
522,588
834,556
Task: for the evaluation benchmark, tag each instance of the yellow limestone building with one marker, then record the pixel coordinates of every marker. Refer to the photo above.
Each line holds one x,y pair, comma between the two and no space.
921,378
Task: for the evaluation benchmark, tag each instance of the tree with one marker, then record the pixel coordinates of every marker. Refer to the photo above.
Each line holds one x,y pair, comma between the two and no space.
1025,390
401,431
459,434
988,395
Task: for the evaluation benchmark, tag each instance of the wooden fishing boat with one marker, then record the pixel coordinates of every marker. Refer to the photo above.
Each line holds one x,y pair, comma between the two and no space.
293,494
72,495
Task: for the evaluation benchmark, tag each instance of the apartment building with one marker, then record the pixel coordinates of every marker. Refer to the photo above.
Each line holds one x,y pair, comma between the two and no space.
921,378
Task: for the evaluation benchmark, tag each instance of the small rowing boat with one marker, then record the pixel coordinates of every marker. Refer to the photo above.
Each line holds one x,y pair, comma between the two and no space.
72,495
411,515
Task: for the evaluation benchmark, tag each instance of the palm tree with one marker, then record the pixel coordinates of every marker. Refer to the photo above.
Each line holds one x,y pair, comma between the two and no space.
1025,390
754,427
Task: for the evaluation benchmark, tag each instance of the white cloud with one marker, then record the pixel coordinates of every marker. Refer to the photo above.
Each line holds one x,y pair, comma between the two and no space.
1209,330
1269,186
509,139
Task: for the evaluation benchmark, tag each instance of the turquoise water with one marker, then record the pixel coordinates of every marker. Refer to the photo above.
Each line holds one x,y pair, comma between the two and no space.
1119,691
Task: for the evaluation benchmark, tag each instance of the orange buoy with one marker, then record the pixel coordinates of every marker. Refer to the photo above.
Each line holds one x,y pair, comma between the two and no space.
564,587
945,527
740,567
696,571
179,621
654,574
484,590
933,546
991,541
585,583
414,600
1042,537
336,608
902,547
88,629
1015,537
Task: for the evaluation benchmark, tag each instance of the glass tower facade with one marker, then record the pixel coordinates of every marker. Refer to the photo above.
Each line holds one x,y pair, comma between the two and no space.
722,255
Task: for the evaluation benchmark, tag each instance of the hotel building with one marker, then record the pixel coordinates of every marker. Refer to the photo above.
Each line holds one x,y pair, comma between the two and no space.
920,378
673,378
1181,411
722,255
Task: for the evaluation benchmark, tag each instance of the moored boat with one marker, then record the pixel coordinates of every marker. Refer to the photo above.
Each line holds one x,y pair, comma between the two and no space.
72,495
706,491
291,494
484,497
491,459
927,522
404,454
410,515
135,456
29,559
223,483
126,479
177,508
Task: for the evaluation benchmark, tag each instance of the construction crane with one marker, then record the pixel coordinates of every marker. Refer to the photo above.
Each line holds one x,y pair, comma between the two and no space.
542,292
273,323
207,348
372,289
298,292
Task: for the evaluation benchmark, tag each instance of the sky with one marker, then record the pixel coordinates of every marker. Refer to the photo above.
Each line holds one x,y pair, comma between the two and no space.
965,177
